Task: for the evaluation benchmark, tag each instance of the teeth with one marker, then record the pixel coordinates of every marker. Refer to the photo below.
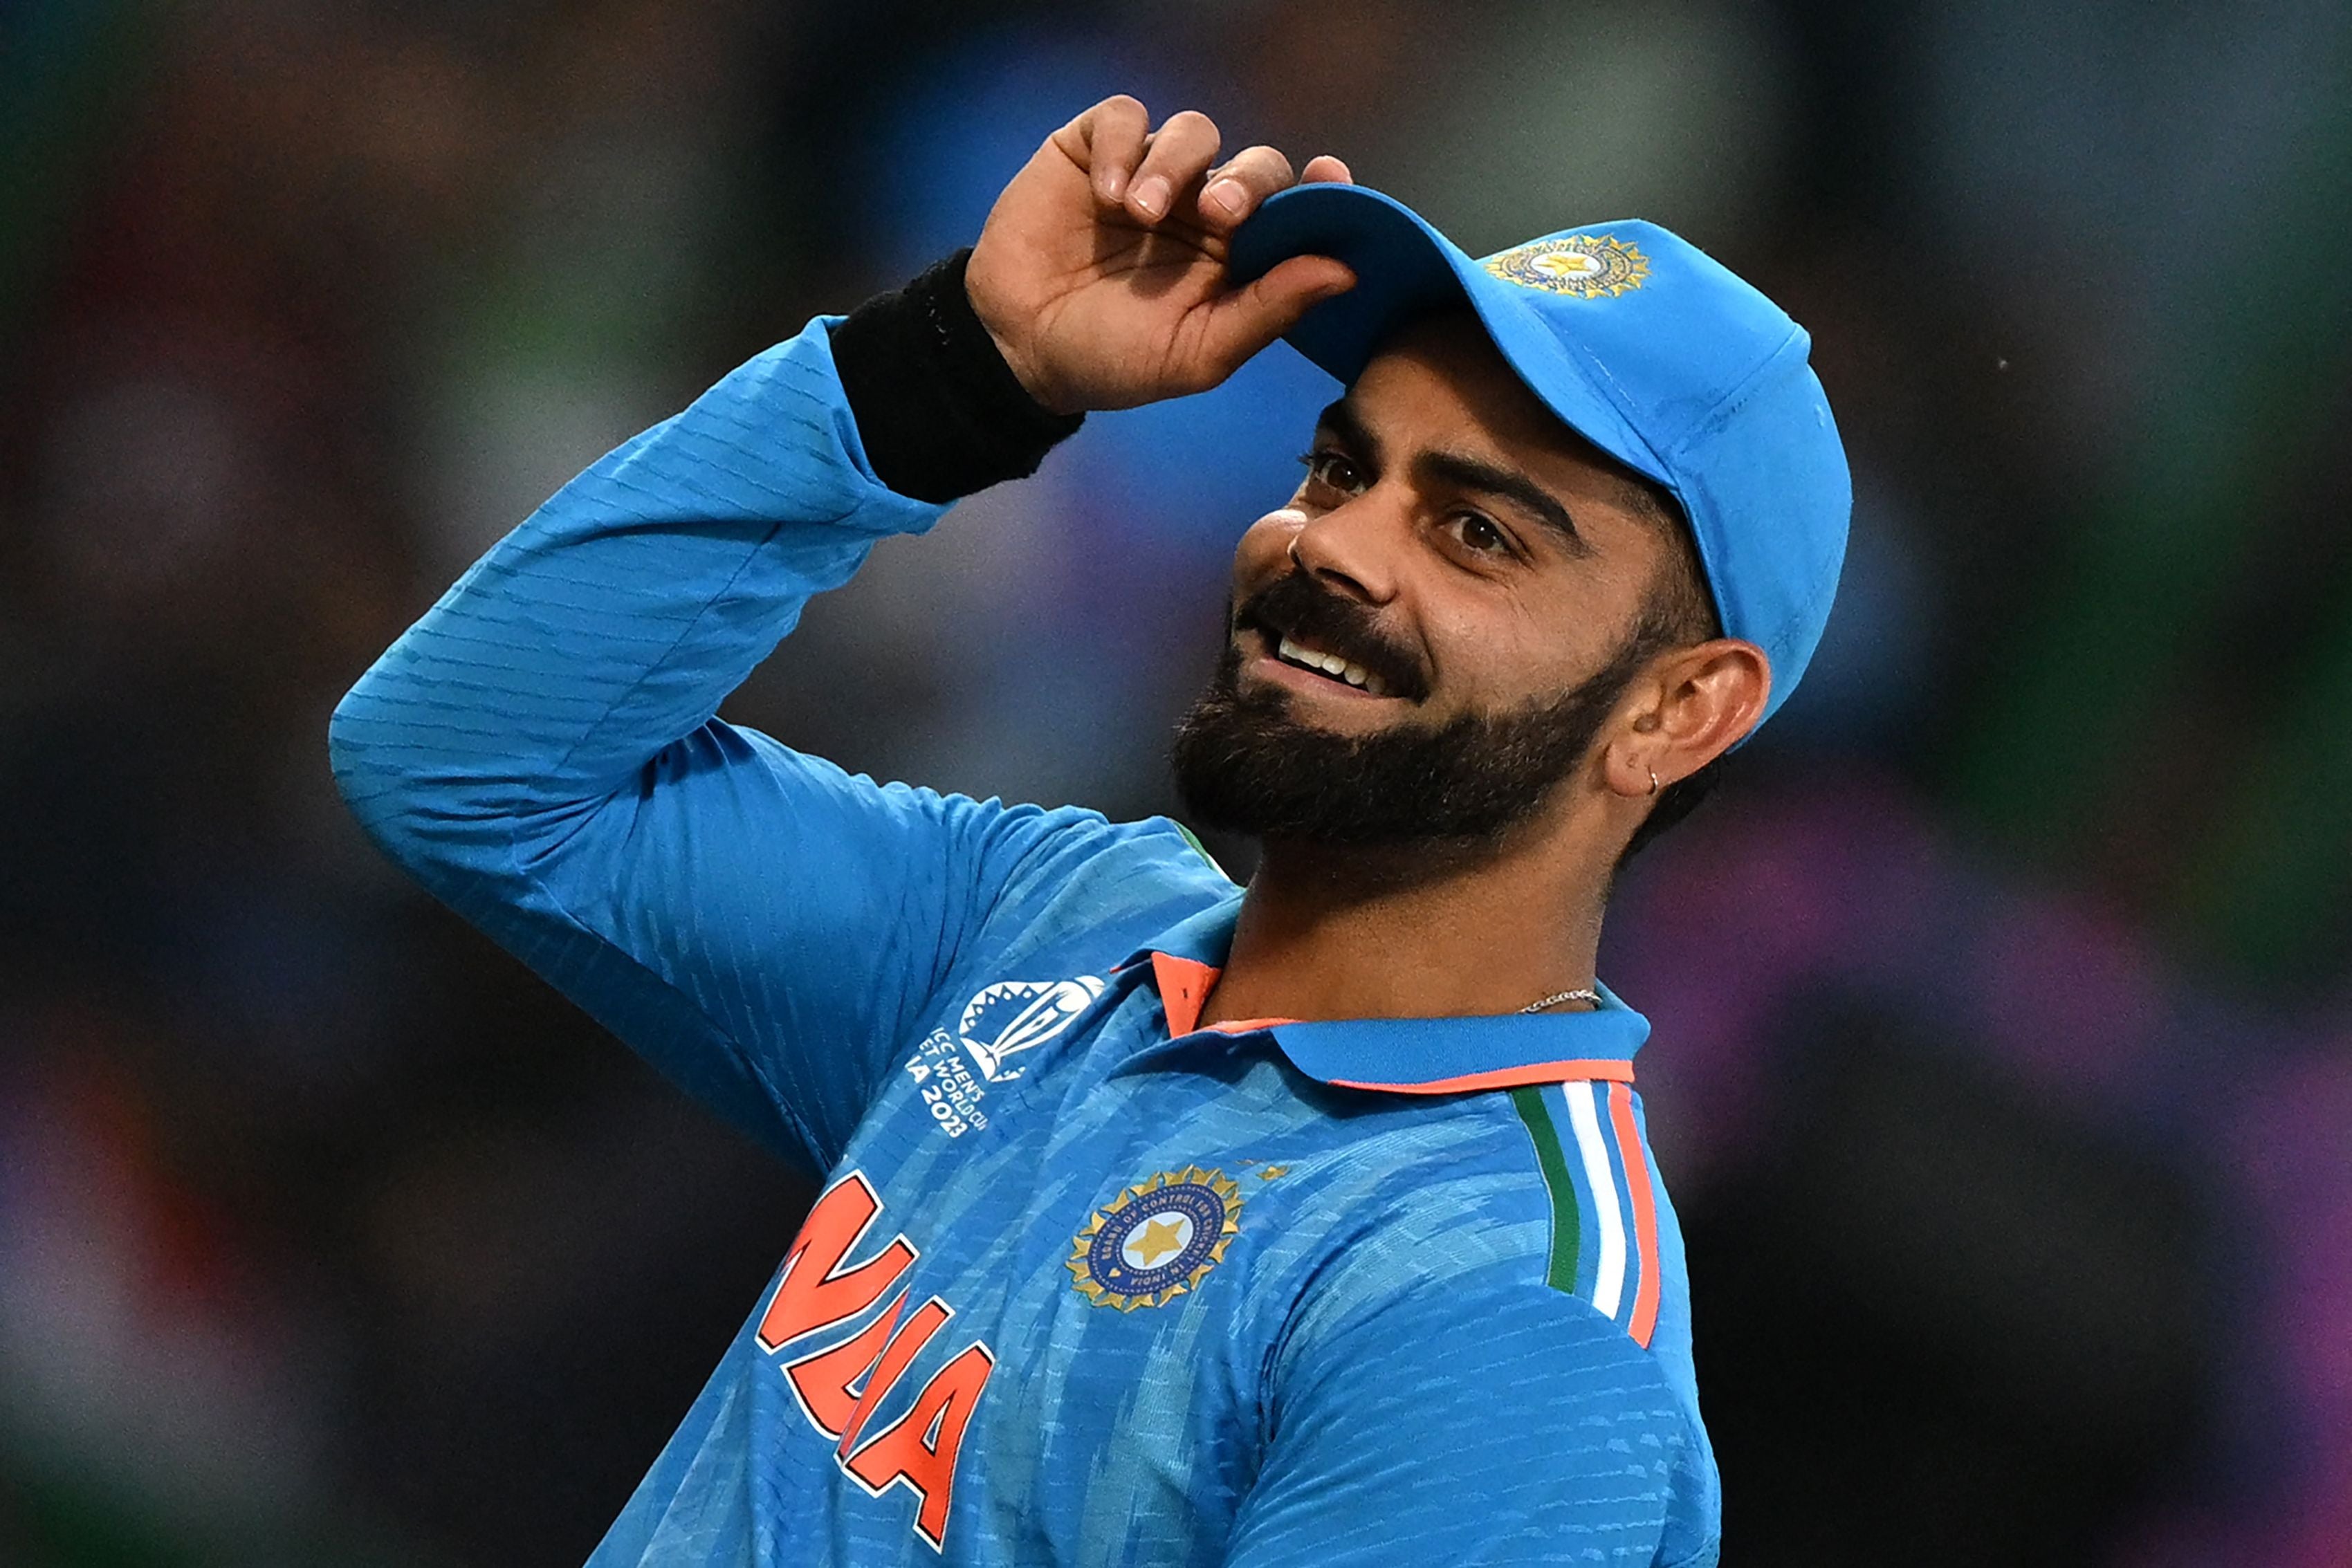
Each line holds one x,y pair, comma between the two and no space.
1355,675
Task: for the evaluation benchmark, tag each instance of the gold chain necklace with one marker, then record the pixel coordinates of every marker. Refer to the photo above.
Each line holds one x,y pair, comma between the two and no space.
1581,994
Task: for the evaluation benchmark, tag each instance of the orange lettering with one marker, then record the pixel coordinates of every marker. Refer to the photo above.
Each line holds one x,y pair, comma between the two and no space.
816,1292
839,1384
902,1349
919,1447
822,1378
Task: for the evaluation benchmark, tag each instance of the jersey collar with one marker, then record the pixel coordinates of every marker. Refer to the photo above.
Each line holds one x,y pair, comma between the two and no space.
1402,1056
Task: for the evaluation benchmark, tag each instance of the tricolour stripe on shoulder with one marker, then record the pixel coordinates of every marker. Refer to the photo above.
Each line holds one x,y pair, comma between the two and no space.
1560,1274
1600,1181
1643,1202
1604,1241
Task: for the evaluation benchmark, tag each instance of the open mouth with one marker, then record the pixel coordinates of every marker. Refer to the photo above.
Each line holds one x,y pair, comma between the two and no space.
1311,631
1300,653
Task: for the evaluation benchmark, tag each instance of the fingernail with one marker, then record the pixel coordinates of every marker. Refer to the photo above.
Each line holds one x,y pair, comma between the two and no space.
1226,196
1150,197
1114,184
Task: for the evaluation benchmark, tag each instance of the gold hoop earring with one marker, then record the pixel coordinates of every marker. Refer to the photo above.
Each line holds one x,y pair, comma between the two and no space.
1653,780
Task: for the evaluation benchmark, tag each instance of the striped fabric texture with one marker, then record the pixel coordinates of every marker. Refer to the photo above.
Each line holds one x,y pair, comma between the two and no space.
1085,1284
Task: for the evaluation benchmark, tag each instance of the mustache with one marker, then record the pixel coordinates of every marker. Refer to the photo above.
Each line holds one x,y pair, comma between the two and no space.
1294,605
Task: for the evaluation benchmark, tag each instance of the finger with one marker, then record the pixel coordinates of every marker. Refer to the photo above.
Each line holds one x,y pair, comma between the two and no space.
1108,142
1180,153
1323,169
1235,190
1249,319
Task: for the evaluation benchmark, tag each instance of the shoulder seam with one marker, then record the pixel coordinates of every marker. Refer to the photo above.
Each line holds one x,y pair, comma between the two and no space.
1711,1552
1198,847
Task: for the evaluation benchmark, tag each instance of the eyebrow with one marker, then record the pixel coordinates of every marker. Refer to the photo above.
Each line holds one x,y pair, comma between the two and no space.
1464,472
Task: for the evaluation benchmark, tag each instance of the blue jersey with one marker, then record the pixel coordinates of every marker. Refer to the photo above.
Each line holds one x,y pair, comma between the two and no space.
1086,1283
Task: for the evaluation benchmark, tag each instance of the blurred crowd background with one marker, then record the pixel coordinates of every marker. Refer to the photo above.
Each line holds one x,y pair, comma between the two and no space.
2003,1054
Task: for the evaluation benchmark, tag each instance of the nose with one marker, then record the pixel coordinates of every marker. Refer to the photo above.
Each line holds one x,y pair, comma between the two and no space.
1355,548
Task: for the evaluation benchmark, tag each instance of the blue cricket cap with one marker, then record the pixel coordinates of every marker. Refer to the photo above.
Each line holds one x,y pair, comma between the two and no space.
1648,347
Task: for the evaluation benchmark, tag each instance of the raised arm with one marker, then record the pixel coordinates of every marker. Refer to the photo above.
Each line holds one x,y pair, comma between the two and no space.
540,749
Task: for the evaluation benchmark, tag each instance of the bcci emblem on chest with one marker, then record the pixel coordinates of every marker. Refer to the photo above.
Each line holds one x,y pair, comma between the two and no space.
1157,1241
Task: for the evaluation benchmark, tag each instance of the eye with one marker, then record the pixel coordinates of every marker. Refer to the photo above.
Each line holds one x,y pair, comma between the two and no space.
1478,533
1332,471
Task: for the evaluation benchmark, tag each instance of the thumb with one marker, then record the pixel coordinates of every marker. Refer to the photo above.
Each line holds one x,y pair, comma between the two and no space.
1246,321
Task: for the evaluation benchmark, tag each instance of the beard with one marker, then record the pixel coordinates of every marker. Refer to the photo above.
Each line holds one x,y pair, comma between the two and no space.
1244,763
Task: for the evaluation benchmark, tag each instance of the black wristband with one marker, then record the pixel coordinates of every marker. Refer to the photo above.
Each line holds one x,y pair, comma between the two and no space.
940,412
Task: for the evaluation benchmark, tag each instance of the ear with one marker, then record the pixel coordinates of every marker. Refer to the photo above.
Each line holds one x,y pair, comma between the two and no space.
1694,705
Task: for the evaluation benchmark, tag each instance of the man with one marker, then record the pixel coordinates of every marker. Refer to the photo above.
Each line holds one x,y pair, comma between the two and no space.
1165,1222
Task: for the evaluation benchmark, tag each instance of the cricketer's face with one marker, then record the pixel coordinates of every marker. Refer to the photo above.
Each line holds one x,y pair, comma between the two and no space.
1430,636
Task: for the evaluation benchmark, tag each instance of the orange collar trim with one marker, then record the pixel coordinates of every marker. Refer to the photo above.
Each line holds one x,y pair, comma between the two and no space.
1185,984
1509,1078
1184,987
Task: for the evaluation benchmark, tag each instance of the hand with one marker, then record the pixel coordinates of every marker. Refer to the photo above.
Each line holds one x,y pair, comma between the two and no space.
1101,270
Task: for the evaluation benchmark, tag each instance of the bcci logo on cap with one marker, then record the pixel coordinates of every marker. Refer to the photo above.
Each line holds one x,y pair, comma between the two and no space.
1013,1015
1589,266
1157,1240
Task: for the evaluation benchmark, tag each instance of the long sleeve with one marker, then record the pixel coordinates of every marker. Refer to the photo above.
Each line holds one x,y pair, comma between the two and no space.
540,751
